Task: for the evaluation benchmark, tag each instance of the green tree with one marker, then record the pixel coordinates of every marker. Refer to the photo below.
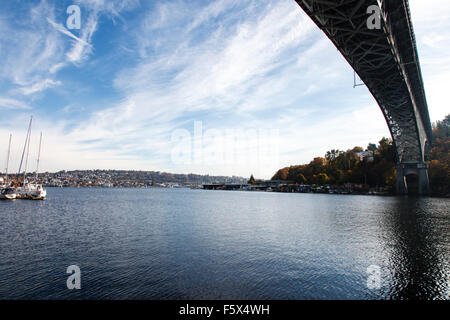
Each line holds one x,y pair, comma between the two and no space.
332,155
301,179
338,167
438,157
322,178
372,147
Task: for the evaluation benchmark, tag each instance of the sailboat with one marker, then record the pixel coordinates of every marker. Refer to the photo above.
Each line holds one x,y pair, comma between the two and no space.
30,190
8,193
22,191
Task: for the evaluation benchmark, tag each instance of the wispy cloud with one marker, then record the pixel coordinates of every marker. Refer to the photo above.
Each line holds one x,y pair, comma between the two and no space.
432,28
63,30
30,52
39,86
82,47
124,87
8,103
247,63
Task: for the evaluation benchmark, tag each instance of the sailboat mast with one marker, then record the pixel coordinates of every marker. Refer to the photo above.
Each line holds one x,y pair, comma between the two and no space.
39,156
25,146
7,159
28,152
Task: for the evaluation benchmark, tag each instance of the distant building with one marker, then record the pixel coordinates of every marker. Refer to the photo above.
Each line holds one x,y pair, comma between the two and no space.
365,155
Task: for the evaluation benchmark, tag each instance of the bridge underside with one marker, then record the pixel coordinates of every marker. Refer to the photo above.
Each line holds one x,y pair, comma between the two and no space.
386,60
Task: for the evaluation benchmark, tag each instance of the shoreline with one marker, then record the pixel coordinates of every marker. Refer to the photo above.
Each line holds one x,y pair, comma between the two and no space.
272,191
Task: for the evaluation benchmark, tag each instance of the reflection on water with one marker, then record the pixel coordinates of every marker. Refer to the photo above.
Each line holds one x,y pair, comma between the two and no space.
417,243
195,244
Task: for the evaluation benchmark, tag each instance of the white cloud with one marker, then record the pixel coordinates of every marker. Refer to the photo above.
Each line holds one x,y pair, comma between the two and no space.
236,70
431,20
30,49
39,86
231,64
63,30
8,103
211,11
82,47
225,72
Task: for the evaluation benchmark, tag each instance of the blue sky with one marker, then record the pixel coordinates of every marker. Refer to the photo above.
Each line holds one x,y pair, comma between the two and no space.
138,82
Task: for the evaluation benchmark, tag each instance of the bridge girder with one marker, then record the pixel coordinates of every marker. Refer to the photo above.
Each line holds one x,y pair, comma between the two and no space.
386,60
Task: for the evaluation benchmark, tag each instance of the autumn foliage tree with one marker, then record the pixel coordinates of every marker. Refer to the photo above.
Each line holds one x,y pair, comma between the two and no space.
438,157
339,167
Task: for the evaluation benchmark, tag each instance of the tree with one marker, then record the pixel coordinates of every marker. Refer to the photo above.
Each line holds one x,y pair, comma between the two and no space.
338,167
300,179
251,180
332,155
386,150
439,157
318,164
439,174
357,149
281,174
372,147
322,178
446,121
441,129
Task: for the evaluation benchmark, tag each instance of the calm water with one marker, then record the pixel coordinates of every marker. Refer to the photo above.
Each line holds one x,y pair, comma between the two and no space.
196,244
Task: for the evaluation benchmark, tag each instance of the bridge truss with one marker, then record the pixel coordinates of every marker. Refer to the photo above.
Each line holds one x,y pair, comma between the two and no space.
385,58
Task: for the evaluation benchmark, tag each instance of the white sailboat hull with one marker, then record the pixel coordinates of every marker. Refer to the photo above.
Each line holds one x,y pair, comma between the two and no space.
37,194
4,195
8,197
32,192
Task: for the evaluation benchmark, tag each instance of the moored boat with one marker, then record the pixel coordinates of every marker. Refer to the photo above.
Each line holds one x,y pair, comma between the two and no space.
30,190
8,194
24,188
35,192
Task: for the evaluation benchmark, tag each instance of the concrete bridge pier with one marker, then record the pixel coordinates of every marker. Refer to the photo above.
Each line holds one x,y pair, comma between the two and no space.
417,170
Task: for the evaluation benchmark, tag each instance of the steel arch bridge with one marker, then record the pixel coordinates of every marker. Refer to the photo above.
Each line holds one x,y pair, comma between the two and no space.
384,55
